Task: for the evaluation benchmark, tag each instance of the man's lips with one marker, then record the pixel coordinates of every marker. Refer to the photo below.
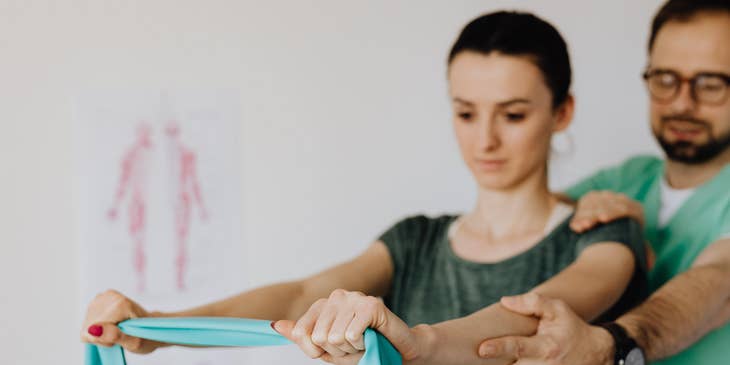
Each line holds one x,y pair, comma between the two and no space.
684,134
684,130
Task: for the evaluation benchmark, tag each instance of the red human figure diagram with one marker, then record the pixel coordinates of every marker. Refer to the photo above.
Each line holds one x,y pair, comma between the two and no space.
133,183
186,192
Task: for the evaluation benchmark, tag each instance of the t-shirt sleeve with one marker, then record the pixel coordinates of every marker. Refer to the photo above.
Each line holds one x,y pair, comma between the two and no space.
725,232
613,178
401,238
598,181
725,222
625,231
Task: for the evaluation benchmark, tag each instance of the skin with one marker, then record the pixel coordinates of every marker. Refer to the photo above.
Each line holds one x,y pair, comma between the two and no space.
503,132
694,302
504,137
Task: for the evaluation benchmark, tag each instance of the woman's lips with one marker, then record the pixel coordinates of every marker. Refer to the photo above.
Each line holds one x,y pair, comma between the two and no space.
490,164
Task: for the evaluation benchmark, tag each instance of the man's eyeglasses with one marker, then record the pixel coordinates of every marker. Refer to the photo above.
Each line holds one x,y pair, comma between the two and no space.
706,87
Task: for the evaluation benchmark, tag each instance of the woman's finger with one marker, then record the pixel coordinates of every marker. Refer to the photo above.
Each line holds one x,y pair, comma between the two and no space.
321,330
105,334
354,332
303,330
337,335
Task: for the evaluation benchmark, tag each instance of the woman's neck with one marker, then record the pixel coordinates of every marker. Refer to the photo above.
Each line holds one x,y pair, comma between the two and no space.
522,210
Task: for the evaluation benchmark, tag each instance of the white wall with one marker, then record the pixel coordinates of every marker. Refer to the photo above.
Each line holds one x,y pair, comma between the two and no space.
345,125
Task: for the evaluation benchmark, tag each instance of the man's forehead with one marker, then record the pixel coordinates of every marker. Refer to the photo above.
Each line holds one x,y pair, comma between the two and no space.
700,44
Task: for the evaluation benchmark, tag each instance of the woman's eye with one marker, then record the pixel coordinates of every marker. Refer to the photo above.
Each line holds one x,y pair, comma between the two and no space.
465,116
515,117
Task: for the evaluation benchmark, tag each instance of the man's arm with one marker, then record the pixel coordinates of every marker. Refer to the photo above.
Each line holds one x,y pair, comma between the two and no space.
686,308
675,316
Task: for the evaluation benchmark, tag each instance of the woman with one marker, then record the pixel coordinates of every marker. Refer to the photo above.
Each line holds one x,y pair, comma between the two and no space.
509,78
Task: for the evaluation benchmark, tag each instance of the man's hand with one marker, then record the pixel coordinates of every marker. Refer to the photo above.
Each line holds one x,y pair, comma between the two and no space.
599,207
562,337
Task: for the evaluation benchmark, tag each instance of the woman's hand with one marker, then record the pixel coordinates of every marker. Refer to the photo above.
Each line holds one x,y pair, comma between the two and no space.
332,329
602,207
100,325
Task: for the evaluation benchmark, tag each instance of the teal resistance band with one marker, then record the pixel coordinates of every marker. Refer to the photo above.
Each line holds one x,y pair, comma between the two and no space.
218,331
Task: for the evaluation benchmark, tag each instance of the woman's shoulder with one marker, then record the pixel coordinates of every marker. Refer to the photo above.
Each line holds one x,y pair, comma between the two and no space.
626,231
415,235
421,223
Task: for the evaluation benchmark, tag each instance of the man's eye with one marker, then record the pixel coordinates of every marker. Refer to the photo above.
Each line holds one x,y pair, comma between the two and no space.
708,84
666,80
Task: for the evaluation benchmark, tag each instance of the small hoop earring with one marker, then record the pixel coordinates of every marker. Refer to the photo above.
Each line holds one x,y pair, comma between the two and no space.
562,144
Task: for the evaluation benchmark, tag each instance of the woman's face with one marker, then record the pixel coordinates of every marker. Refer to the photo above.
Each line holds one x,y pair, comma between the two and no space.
503,117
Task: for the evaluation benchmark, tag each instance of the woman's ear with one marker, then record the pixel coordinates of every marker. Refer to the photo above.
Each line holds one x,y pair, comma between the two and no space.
564,114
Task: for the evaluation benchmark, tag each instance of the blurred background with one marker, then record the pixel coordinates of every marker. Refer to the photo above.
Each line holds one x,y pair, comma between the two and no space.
341,120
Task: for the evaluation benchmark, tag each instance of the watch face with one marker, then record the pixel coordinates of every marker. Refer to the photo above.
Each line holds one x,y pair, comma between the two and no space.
635,357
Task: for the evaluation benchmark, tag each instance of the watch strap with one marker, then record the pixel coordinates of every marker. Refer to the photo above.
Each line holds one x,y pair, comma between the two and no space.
623,343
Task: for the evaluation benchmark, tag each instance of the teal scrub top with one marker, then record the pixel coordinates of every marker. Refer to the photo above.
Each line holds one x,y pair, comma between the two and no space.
703,219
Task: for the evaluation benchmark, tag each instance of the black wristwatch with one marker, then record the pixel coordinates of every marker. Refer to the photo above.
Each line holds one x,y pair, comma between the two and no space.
628,351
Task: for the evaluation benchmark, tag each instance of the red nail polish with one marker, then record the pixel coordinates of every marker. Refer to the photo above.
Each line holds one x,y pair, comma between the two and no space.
96,330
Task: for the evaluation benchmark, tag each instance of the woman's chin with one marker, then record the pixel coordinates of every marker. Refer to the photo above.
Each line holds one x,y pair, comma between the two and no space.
494,182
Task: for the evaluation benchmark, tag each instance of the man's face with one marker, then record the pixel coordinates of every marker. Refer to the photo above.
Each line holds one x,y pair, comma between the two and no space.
688,130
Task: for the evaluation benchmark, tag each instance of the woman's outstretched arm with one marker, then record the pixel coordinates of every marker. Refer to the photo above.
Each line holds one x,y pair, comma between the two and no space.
370,273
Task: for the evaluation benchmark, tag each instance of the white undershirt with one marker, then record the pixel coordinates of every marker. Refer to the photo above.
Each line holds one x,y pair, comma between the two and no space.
560,213
671,200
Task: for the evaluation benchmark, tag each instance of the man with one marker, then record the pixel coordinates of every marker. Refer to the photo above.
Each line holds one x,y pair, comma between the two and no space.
686,201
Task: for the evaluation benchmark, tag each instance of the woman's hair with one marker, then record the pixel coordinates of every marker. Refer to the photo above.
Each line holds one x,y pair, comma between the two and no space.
520,34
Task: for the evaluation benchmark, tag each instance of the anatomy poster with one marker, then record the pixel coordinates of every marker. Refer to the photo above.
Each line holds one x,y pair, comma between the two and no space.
158,197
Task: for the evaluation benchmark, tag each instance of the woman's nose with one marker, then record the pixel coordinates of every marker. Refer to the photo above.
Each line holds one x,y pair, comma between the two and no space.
488,135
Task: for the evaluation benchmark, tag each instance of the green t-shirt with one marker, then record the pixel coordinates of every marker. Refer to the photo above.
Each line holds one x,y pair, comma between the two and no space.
432,284
701,220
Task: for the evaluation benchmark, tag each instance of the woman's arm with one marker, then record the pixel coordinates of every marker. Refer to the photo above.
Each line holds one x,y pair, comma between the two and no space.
590,285
370,272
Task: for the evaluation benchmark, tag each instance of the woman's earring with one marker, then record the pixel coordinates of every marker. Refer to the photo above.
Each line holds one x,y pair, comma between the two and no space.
562,144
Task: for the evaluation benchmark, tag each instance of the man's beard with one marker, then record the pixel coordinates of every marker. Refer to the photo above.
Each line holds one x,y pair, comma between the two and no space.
689,152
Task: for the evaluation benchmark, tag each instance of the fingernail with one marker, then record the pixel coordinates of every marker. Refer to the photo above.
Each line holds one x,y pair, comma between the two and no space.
487,350
95,330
